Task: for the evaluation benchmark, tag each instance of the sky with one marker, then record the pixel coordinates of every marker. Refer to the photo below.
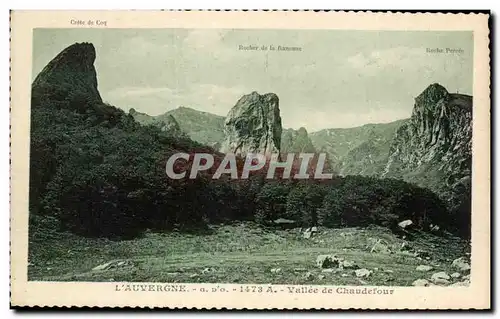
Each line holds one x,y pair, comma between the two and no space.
338,78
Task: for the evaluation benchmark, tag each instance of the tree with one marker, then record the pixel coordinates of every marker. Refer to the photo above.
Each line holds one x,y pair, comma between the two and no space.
271,202
303,202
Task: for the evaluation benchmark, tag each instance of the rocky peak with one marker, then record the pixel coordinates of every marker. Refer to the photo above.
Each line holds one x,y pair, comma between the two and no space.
440,117
71,71
253,125
433,149
432,94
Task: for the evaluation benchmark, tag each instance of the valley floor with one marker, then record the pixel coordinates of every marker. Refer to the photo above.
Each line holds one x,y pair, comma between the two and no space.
245,253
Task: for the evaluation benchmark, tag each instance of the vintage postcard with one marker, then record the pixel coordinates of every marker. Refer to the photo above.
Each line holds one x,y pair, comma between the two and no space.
250,160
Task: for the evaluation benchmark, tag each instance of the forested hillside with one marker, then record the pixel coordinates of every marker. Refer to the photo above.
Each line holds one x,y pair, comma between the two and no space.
95,171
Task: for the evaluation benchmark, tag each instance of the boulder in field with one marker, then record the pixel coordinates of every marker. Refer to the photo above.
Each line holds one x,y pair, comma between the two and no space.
363,273
328,261
434,228
424,268
348,265
461,264
440,278
405,224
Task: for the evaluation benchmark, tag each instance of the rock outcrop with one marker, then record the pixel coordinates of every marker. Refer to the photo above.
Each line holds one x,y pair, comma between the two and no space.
71,73
253,125
434,148
296,141
439,133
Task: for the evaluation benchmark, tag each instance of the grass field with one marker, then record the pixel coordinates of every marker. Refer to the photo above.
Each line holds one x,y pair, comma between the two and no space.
245,253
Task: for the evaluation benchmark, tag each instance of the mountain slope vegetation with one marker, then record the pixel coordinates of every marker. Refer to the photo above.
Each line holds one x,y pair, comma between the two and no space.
96,171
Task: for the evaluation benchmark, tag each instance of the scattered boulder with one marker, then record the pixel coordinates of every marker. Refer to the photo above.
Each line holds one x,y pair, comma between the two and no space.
441,274
455,275
321,277
405,224
440,278
461,264
275,270
348,265
328,261
193,275
314,229
434,228
299,269
424,268
421,283
362,273
207,270
306,235
440,281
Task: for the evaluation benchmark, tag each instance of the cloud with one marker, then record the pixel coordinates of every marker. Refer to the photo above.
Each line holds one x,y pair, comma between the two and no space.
375,61
404,59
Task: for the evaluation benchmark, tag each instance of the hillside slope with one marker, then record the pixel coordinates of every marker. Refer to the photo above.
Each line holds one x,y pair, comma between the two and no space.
202,127
338,142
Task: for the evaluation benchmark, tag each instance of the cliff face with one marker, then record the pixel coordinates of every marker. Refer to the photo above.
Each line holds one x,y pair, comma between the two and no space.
437,138
70,73
253,125
434,148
